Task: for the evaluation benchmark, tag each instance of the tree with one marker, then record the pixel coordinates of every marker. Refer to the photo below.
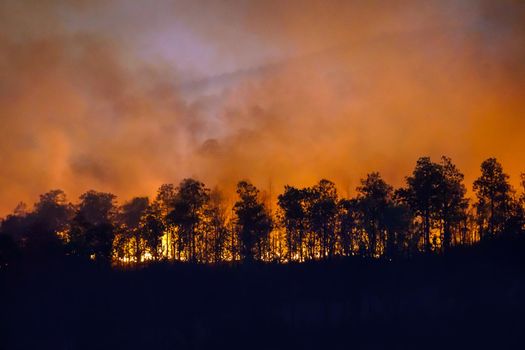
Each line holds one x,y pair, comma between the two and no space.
451,201
17,226
421,194
216,230
294,219
519,208
41,233
53,211
130,221
12,235
514,224
92,230
322,216
253,222
163,203
350,227
187,214
494,197
397,223
384,219
375,199
49,222
154,227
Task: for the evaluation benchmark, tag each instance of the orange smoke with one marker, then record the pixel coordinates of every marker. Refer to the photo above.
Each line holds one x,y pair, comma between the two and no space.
312,89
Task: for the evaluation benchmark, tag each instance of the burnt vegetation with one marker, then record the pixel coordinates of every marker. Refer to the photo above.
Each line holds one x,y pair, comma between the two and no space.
419,266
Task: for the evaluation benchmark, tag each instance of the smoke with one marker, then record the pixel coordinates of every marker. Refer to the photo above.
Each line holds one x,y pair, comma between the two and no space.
123,97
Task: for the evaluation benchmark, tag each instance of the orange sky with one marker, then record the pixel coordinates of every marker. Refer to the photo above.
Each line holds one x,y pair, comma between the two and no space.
121,96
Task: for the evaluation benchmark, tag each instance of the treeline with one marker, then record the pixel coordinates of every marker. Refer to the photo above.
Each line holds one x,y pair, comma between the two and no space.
192,223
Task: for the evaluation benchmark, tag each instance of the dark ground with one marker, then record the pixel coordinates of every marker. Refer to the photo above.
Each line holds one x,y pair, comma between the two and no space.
472,298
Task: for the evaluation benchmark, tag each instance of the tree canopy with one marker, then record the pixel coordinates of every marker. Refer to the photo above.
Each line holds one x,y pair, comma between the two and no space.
189,222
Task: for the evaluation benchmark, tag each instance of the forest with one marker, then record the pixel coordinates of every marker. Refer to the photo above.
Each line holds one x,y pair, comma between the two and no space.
416,267
191,223
262,174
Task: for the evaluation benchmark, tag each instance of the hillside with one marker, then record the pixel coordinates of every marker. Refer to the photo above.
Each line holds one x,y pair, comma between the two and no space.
473,297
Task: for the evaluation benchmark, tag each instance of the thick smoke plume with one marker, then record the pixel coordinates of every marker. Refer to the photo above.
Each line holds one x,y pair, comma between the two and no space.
122,96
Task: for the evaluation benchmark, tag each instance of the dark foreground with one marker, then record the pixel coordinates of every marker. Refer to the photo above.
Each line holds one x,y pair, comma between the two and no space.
473,298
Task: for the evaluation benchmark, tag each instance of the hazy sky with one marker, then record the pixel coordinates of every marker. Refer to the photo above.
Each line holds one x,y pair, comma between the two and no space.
125,95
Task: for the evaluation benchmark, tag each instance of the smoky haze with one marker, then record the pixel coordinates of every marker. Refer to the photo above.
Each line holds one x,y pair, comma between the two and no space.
122,96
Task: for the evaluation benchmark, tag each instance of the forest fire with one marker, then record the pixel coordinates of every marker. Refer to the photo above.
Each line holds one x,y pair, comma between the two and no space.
191,223
84,106
334,174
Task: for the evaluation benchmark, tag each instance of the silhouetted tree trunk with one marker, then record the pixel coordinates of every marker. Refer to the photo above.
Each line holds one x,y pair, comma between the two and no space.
426,228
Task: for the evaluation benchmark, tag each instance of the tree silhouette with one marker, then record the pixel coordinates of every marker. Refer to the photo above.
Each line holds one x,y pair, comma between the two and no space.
41,232
351,227
451,201
421,194
253,222
17,225
216,228
187,214
130,223
375,199
294,217
164,204
493,193
53,211
397,220
153,229
49,222
322,214
12,236
92,230
191,223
